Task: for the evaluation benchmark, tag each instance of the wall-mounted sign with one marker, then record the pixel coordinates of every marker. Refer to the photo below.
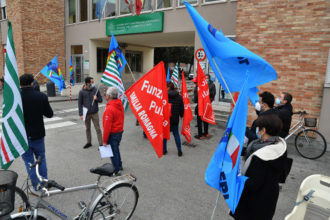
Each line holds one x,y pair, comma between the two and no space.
143,23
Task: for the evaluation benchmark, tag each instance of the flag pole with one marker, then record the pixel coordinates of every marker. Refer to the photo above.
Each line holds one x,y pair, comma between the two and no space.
232,98
36,75
96,93
131,71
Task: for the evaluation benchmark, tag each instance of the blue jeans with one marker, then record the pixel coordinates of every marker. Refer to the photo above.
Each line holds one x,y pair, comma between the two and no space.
36,149
175,132
114,140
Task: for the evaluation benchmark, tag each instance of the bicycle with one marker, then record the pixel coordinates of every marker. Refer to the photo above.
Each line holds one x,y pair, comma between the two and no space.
309,143
109,204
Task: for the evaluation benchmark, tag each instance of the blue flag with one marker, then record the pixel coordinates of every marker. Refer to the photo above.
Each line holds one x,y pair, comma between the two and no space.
53,73
223,170
233,60
168,75
253,96
119,56
71,73
99,8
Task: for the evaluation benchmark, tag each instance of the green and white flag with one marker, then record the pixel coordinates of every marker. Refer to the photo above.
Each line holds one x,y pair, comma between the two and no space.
175,75
111,77
13,134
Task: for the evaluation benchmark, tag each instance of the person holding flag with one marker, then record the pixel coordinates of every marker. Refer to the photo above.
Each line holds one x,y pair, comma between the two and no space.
88,99
177,110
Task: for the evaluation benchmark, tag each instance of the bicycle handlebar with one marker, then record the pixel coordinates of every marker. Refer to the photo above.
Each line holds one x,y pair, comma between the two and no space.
300,113
45,182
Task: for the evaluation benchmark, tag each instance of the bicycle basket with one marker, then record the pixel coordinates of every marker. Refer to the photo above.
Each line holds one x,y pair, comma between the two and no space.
7,191
310,122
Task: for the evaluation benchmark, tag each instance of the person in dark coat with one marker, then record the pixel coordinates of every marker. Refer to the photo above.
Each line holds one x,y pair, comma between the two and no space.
177,109
35,106
200,123
266,108
284,108
89,97
265,167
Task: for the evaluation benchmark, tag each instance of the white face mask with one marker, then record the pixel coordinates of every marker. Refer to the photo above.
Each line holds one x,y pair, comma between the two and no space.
278,101
93,85
257,106
257,133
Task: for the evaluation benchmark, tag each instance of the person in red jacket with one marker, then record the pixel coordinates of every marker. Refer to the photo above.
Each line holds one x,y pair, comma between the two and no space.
113,126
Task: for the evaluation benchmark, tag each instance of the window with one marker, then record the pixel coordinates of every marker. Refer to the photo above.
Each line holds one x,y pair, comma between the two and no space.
164,4
147,5
83,10
94,9
101,57
110,8
72,11
192,2
134,60
208,1
3,10
124,8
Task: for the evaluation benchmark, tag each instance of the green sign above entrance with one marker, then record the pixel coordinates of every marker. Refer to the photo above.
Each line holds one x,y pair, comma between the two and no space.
143,23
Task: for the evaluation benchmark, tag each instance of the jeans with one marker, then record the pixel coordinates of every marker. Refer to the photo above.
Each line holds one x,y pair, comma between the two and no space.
114,140
175,132
36,149
200,129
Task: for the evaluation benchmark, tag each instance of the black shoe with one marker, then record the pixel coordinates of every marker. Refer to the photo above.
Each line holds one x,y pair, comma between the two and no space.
117,174
180,153
199,137
165,152
121,168
87,145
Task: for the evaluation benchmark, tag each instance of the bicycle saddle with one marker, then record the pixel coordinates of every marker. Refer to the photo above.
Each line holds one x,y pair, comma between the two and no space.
106,169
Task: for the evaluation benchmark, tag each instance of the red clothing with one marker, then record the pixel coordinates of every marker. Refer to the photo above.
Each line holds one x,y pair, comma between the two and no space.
113,118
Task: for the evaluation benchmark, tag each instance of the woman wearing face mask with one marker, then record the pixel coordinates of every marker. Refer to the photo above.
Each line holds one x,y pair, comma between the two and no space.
265,167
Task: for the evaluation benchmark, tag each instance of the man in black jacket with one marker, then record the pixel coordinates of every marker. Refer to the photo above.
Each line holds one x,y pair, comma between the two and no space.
267,108
200,123
35,106
89,97
177,110
284,108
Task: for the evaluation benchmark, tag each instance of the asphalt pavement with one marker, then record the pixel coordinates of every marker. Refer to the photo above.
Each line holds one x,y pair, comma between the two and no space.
171,187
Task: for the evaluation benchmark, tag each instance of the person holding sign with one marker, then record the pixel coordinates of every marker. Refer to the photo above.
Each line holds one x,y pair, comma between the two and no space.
113,126
89,97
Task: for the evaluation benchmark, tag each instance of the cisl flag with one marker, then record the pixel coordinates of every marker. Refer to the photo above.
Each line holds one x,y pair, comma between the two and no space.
187,116
149,102
205,110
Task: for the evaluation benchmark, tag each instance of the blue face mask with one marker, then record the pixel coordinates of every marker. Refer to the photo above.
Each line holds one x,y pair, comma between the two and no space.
257,133
277,101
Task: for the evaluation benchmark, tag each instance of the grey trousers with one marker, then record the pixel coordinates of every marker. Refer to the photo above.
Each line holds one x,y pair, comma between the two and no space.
96,122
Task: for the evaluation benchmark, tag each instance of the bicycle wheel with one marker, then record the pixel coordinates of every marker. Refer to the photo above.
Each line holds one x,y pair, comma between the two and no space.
117,203
310,144
21,201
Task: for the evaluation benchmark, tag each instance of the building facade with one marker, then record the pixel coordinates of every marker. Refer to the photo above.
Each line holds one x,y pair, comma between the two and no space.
292,35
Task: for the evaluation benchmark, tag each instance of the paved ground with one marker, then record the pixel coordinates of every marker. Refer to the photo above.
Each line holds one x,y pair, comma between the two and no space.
170,187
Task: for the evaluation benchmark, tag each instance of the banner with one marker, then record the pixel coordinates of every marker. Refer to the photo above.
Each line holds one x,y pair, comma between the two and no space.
187,116
205,110
149,102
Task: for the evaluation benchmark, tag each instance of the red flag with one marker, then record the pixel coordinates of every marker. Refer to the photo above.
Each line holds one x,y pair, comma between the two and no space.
187,116
149,102
205,110
138,6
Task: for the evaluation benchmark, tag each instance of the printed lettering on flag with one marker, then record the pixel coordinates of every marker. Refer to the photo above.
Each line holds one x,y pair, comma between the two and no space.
111,77
149,102
13,134
205,110
175,75
187,116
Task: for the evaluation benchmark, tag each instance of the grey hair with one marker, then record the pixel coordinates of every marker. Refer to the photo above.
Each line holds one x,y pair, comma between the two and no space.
112,92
